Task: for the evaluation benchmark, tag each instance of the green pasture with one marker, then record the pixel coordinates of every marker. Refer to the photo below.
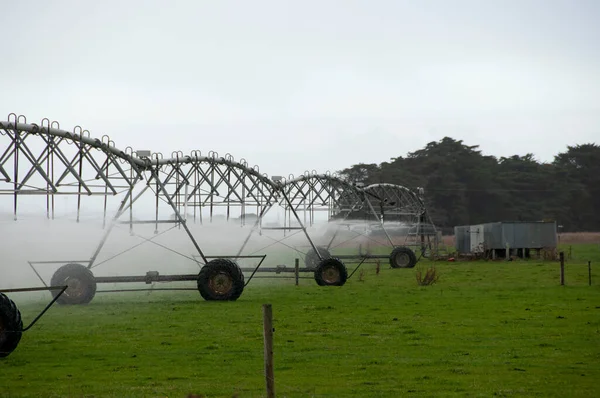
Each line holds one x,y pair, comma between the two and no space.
485,329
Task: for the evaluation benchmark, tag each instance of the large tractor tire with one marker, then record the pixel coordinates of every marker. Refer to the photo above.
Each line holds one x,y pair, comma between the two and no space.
80,281
312,260
11,326
331,272
403,257
221,279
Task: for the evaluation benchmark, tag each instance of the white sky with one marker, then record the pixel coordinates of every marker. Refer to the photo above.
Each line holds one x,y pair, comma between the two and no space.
295,86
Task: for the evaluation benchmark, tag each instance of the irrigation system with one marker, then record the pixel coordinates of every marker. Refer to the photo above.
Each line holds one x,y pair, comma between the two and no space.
41,162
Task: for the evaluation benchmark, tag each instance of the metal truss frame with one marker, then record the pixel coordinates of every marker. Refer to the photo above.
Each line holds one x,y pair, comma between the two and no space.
44,160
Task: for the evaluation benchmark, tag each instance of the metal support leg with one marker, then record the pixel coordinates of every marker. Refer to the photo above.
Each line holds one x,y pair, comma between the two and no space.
256,224
122,208
291,207
178,215
380,222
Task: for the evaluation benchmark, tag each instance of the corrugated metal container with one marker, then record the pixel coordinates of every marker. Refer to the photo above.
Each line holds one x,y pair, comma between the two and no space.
462,239
477,233
530,235
497,235
494,235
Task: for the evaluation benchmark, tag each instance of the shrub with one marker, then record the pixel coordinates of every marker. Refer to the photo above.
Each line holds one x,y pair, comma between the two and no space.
549,254
430,277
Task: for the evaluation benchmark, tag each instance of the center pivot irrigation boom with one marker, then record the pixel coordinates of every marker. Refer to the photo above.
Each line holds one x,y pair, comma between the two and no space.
41,162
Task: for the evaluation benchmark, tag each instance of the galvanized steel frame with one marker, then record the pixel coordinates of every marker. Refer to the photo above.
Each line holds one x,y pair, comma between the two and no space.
60,162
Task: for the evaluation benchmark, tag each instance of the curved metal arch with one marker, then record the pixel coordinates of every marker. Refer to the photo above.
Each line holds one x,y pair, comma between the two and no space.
401,212
60,162
44,160
195,157
104,144
321,192
212,182
395,201
201,181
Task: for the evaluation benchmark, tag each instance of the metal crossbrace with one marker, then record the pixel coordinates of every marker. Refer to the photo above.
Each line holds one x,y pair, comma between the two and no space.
321,192
216,183
38,160
397,203
34,289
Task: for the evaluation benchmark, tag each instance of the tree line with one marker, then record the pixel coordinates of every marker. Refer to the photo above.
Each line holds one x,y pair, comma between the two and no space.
463,186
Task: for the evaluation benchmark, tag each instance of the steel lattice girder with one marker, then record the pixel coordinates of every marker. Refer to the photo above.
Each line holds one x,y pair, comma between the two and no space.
394,200
212,181
43,159
47,161
314,192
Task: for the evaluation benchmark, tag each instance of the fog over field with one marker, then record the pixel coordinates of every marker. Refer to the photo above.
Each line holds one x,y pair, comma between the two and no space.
34,238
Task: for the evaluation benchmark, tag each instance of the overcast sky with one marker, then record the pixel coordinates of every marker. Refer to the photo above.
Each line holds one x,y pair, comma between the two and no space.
301,85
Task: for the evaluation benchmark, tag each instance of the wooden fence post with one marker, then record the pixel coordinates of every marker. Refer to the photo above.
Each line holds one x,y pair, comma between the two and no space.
297,271
562,268
268,335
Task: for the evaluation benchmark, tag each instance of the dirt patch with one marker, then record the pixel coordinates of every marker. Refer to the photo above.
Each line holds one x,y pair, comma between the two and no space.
579,237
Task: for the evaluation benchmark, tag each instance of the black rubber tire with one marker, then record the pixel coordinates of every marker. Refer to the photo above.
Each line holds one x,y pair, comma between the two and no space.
331,272
81,282
11,326
403,257
312,260
221,268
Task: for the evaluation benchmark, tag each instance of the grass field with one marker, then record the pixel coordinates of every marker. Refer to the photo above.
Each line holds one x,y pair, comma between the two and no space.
485,329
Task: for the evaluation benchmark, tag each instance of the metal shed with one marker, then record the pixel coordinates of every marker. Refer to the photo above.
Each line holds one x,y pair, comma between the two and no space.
498,239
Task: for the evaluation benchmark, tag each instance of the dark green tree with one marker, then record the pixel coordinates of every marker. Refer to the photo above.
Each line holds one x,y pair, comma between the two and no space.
527,188
463,186
578,178
361,173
